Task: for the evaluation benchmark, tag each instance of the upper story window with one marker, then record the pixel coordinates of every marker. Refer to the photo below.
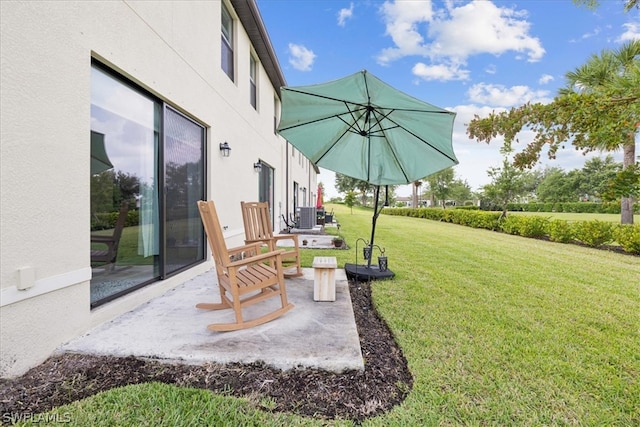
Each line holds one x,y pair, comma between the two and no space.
227,42
253,95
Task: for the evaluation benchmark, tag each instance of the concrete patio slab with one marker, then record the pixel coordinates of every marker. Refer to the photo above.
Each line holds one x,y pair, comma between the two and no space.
169,328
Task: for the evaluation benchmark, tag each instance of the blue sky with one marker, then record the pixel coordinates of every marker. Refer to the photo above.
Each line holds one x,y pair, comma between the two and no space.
470,57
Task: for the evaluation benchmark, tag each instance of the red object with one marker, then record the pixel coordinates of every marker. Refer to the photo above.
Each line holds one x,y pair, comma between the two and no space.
319,201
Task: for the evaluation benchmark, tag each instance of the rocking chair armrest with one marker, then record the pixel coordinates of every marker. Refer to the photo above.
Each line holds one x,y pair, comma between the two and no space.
102,239
256,258
248,247
108,241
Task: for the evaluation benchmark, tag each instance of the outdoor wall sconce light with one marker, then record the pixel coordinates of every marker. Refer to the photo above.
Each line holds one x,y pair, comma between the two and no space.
225,149
257,166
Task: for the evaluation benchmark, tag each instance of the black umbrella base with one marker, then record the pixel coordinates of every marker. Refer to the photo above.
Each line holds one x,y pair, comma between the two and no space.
363,273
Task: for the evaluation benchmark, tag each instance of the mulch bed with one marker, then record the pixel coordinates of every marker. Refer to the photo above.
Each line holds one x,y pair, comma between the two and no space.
354,395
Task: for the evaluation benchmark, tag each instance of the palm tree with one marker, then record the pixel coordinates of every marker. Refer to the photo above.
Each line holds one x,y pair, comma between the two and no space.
414,198
612,75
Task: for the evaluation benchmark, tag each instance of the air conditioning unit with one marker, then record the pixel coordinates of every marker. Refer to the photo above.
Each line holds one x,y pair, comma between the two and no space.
307,218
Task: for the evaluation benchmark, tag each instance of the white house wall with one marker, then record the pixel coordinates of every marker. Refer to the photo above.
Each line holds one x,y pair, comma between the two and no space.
171,49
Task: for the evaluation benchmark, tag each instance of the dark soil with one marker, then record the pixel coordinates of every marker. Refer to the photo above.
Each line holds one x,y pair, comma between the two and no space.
353,395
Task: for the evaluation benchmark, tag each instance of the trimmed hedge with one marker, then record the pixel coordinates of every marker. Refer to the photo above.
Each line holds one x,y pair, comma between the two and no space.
574,207
628,236
560,231
591,233
107,220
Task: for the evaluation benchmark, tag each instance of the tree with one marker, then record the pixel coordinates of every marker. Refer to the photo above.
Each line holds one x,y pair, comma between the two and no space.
350,200
508,184
599,110
345,183
460,192
440,184
625,182
596,175
592,4
588,183
416,185
609,75
557,186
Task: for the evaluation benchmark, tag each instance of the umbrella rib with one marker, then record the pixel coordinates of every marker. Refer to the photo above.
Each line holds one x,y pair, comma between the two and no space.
423,140
355,119
349,129
366,88
378,119
331,146
334,116
329,98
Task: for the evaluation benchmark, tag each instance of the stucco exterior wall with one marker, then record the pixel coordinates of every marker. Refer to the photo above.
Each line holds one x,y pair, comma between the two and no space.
171,49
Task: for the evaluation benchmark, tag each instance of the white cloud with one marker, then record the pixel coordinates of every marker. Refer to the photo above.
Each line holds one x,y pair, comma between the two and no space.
499,95
345,14
491,69
545,78
402,20
442,72
632,32
301,57
594,33
482,27
456,33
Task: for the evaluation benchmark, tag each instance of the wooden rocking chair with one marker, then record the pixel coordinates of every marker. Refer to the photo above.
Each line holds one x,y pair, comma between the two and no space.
109,255
245,276
257,228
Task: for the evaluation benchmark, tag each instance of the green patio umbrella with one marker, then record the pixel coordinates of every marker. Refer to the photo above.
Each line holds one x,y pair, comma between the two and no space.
99,159
361,127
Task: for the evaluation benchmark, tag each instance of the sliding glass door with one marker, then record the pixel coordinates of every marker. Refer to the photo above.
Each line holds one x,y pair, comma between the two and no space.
184,184
147,172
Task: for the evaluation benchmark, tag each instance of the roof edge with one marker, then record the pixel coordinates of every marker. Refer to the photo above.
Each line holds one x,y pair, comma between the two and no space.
249,15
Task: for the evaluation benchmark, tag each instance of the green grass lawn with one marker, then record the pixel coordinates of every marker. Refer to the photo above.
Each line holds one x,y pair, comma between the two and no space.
497,330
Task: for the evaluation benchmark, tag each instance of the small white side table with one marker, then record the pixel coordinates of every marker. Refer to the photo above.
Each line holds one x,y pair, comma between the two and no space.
324,280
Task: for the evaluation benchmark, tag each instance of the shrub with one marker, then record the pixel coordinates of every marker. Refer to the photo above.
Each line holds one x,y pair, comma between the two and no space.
477,219
628,236
593,233
560,231
511,224
448,215
525,226
534,226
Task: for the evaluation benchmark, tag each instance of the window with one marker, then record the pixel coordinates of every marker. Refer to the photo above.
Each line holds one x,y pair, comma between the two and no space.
252,82
266,186
227,42
149,158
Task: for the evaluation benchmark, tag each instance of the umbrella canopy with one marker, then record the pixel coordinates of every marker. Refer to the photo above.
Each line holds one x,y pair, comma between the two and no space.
361,127
99,159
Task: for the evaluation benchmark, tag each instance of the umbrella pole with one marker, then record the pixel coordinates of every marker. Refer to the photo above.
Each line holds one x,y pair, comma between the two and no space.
373,224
